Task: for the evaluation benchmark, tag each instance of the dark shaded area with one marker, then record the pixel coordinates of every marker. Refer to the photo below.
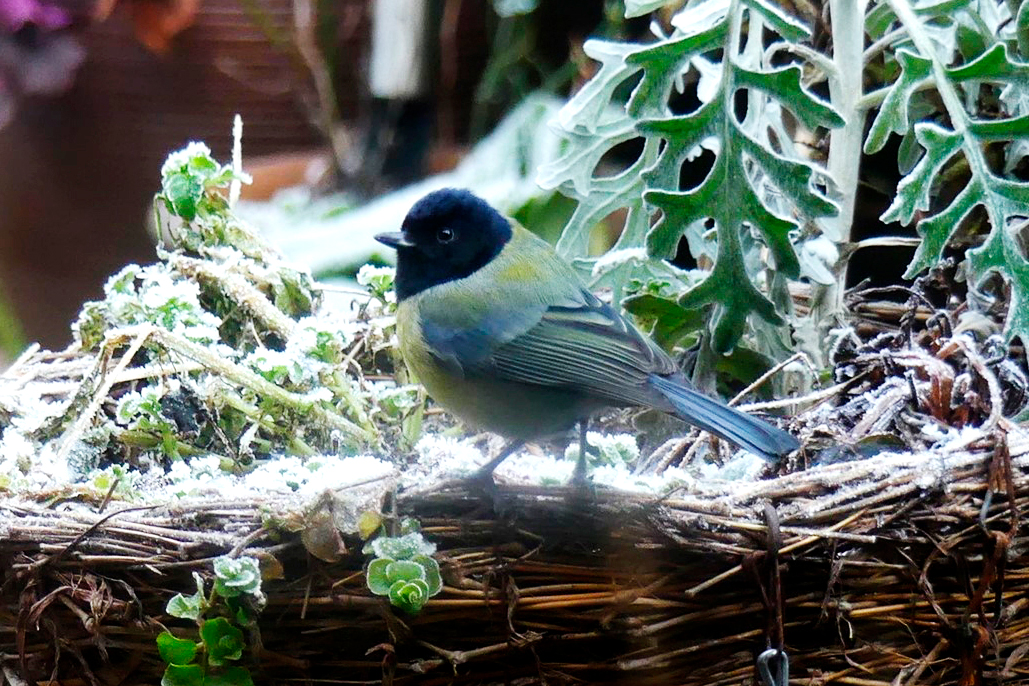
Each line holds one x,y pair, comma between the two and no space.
878,266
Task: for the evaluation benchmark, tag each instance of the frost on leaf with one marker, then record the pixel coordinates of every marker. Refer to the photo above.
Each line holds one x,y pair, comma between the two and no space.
958,150
755,196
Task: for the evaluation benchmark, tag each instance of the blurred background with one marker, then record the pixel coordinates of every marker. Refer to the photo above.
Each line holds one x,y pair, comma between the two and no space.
352,109
342,101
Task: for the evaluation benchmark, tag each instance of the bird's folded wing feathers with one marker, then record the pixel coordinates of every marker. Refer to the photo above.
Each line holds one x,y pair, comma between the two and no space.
589,347
464,338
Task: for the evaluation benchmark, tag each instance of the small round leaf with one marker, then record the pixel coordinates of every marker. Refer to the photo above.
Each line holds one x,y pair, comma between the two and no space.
186,606
409,596
405,570
432,576
183,675
235,576
223,640
176,651
376,578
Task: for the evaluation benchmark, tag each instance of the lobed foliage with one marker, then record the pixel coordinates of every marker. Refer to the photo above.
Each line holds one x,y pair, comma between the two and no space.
950,77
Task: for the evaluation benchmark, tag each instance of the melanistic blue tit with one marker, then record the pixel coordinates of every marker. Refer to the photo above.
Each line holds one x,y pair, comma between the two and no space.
504,334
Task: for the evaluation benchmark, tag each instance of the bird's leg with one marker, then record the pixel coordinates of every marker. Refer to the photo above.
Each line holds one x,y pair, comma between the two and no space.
485,472
482,479
579,475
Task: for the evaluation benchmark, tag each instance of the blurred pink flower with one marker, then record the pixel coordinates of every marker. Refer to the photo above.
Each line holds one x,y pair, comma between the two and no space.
15,14
37,56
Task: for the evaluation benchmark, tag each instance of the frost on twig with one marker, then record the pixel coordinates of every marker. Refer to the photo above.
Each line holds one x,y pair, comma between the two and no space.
193,371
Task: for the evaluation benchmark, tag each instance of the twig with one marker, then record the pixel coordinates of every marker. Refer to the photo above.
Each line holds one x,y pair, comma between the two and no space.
238,289
808,540
54,559
245,377
759,381
15,368
139,336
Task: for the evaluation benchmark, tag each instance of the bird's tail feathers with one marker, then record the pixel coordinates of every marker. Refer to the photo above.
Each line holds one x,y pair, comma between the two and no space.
757,436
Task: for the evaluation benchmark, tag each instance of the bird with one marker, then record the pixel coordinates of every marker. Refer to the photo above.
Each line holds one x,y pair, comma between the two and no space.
506,335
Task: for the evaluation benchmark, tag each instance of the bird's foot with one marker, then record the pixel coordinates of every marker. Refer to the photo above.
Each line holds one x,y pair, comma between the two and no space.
482,480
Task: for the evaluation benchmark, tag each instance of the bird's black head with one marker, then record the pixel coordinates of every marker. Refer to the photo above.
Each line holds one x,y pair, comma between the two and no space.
447,235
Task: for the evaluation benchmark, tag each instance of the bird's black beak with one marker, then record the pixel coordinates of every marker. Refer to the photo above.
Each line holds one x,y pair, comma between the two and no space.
394,239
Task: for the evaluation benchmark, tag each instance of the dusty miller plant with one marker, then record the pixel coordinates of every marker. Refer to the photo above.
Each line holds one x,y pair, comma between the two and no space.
948,76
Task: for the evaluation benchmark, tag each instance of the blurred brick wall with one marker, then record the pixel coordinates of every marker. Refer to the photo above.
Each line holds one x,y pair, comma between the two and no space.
77,172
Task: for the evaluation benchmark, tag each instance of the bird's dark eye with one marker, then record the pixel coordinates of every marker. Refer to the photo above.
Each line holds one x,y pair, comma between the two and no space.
445,235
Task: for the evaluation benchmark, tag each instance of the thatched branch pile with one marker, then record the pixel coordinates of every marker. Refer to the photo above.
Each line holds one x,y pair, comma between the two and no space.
890,571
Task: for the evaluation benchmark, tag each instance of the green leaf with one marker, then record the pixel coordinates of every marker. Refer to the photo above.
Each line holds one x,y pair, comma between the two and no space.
662,63
242,613
937,230
881,17
1002,253
183,675
236,576
913,191
667,321
937,8
743,364
409,596
230,676
176,651
402,547
203,166
431,573
182,194
293,293
682,135
1022,29
785,25
376,578
995,65
410,525
757,185
186,606
785,83
997,130
733,299
893,113
795,178
222,639
957,155
404,570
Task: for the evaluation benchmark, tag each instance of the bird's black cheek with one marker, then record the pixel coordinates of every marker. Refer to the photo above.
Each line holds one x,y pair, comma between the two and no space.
422,269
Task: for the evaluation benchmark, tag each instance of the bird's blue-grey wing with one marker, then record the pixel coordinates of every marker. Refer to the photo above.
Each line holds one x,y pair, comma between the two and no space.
593,349
464,340
586,346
